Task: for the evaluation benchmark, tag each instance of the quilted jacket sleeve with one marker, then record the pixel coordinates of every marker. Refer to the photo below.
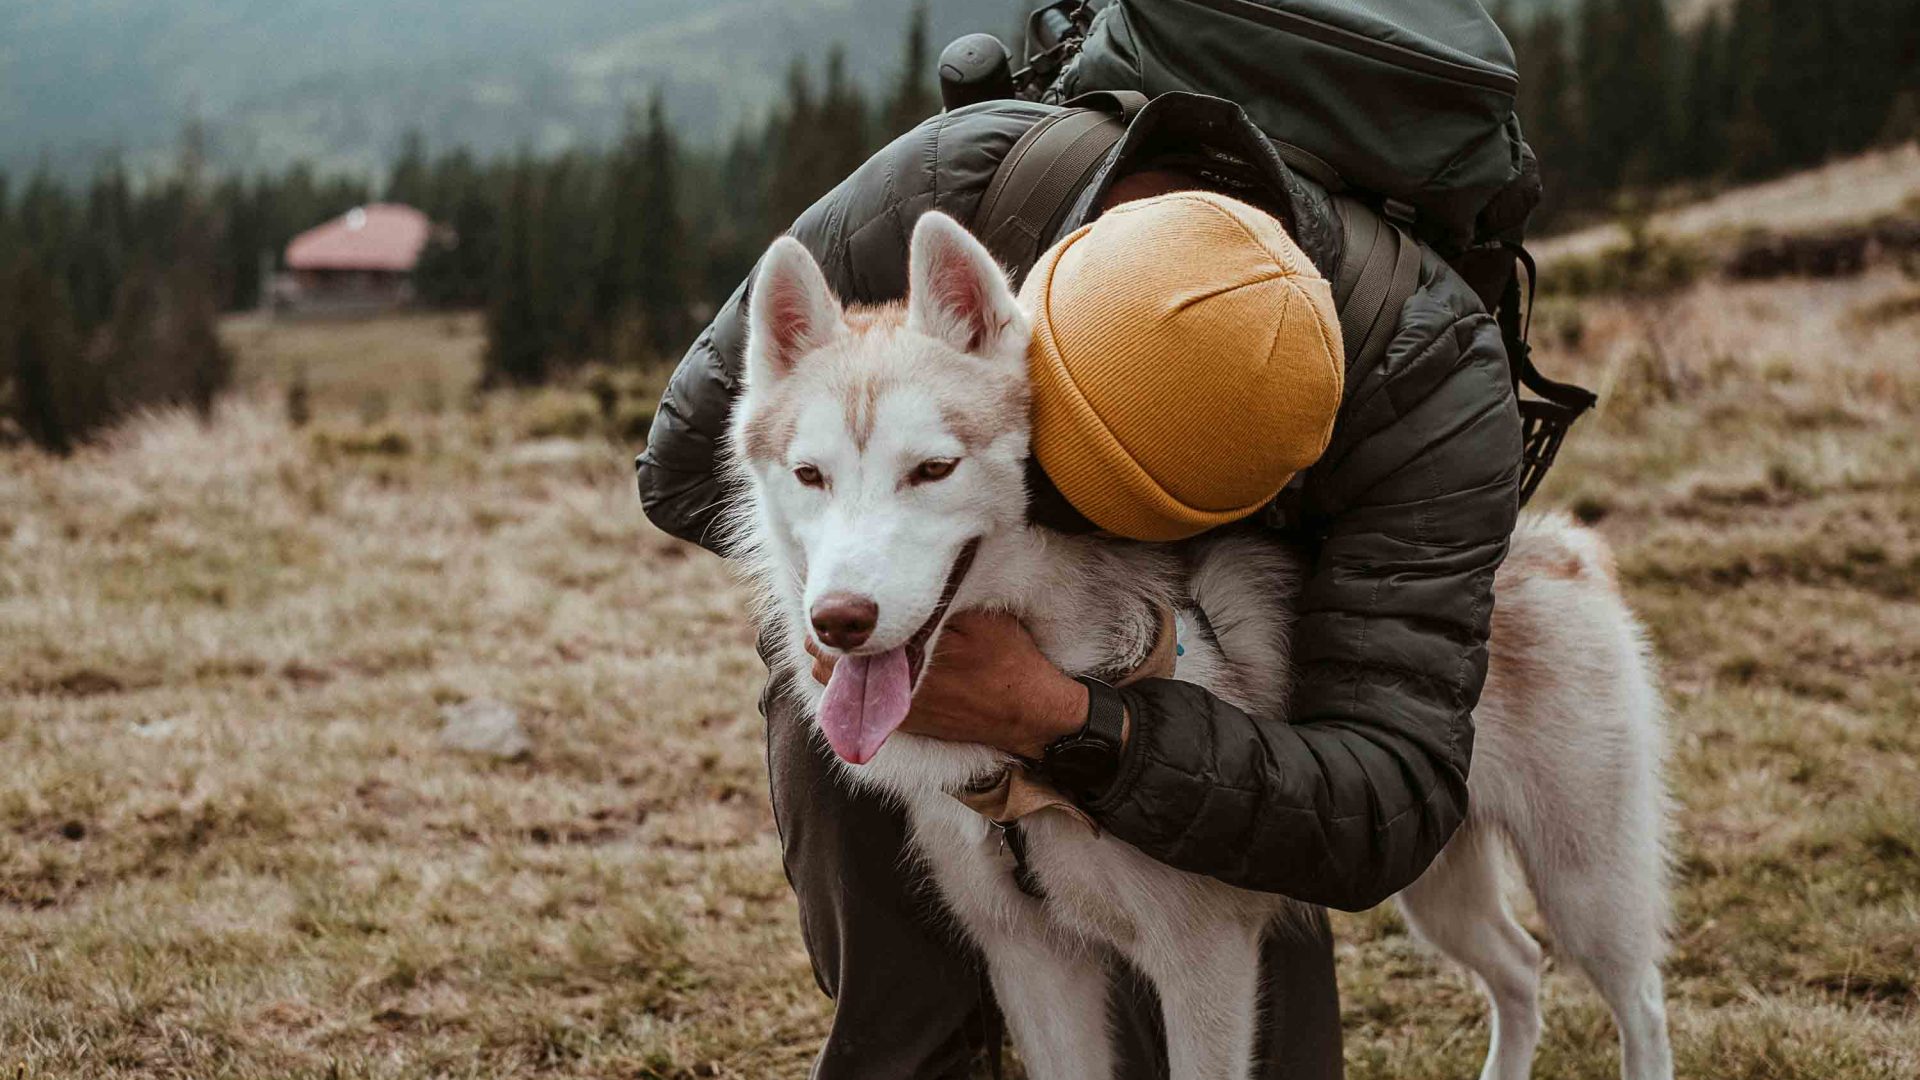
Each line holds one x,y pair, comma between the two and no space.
860,232
1348,803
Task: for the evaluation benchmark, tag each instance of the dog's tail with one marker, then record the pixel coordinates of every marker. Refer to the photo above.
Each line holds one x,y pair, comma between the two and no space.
1554,547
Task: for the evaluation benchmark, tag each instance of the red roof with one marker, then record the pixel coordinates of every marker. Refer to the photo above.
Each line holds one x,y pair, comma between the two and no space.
383,236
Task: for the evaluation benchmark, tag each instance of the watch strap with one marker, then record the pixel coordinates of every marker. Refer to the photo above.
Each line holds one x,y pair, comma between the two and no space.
1086,762
1106,713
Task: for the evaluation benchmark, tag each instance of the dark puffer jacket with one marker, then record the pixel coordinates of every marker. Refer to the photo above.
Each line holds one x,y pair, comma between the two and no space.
1408,514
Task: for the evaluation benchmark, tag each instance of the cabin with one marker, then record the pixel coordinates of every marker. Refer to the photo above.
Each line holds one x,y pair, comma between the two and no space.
361,262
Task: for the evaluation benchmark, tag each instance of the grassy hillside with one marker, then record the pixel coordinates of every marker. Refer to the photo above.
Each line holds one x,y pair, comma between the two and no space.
233,844
1852,191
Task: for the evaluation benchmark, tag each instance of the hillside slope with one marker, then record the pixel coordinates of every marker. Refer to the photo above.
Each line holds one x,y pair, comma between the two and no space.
1848,192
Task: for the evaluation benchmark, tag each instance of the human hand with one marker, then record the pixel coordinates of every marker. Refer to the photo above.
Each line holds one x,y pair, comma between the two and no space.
987,682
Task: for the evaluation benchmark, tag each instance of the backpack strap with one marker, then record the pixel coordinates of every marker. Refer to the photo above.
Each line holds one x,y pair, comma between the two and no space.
1545,418
1379,271
1046,170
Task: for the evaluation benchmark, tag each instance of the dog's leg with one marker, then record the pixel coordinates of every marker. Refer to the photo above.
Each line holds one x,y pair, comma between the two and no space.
1637,994
1208,978
1606,909
1052,988
1054,998
1458,908
1590,834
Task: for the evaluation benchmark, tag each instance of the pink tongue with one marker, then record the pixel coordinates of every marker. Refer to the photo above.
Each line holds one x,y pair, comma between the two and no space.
867,700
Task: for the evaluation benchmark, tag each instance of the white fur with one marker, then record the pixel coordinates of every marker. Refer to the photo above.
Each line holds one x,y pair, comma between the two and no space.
1568,750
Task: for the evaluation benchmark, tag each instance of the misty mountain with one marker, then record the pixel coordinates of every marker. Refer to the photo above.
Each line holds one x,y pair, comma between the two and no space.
340,81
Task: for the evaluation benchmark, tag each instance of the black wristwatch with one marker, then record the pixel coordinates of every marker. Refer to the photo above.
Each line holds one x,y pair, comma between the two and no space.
1087,761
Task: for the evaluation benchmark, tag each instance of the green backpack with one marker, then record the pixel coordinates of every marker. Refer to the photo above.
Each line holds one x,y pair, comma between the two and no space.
1403,109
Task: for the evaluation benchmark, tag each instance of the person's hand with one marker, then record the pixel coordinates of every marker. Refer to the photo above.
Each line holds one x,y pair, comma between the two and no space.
987,682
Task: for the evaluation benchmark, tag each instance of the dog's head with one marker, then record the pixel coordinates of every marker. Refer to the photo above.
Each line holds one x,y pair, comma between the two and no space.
881,447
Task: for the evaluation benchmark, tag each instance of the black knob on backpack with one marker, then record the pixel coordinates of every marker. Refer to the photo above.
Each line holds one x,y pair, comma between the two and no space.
975,68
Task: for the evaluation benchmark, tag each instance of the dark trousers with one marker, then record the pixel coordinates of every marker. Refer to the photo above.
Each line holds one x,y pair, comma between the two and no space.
911,999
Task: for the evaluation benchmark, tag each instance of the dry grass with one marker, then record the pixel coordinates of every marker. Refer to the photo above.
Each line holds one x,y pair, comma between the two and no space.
231,845
370,367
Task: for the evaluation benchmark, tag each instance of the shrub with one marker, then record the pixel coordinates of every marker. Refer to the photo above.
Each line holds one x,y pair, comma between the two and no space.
634,422
62,384
562,414
1646,265
365,442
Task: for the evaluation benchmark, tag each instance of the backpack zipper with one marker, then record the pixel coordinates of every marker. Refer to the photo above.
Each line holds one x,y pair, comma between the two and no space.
1342,38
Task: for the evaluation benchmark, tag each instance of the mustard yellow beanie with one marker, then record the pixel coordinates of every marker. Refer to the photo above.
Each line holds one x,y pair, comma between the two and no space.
1186,362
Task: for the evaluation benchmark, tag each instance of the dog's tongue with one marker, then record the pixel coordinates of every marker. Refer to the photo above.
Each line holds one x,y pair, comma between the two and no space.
867,700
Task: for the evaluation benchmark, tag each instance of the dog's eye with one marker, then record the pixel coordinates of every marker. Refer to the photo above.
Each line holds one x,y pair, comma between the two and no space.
809,476
933,470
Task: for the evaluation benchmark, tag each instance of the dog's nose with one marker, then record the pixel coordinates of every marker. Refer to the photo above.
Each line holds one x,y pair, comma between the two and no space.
844,620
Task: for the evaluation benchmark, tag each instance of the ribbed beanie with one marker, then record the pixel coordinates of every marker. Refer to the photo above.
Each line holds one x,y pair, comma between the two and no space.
1186,363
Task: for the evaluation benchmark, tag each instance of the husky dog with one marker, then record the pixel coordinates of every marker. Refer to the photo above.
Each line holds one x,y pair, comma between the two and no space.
881,457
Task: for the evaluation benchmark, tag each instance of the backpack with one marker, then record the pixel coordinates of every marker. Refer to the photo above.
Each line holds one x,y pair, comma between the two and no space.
1402,109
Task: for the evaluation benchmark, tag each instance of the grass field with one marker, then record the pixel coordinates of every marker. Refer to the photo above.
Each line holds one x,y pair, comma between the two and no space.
233,845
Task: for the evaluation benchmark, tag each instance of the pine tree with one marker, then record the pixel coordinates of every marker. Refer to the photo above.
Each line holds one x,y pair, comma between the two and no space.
844,135
1625,80
792,134
663,277
516,346
409,181
164,342
1800,80
736,225
37,337
100,260
624,268
1752,149
1709,98
246,245
1895,26
1899,24
45,227
643,286
1880,57
568,238
1548,117
913,97
457,268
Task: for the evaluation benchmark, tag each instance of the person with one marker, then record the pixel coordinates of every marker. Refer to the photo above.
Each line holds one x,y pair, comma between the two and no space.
1405,516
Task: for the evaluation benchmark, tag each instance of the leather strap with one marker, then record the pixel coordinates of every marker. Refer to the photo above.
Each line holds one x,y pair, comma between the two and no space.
1046,169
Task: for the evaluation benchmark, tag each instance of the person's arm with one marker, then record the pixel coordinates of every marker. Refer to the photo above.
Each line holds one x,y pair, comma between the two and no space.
859,232
1349,802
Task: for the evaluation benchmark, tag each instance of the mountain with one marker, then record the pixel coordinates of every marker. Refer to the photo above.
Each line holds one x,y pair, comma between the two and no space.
340,81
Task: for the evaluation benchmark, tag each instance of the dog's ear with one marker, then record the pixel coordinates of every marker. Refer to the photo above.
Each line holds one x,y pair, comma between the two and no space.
957,293
792,312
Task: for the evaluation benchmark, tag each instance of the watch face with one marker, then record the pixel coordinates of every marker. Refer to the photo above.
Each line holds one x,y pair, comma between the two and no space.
1082,763
1080,754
